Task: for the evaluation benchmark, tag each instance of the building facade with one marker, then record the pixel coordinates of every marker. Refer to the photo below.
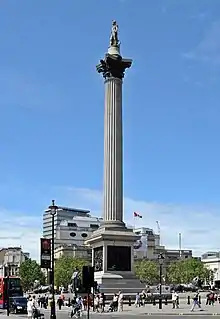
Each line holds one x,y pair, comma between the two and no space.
73,251
71,228
76,230
149,247
63,213
12,257
211,260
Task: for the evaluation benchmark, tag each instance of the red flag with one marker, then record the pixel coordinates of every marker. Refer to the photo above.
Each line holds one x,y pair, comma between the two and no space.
137,215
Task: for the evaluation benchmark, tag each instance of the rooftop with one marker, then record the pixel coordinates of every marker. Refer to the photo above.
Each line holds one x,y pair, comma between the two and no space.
210,255
69,209
10,248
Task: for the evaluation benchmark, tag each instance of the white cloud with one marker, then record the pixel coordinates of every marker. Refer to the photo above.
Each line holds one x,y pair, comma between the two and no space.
208,49
199,224
23,230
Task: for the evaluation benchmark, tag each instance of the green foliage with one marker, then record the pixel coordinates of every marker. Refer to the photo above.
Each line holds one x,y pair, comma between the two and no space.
147,271
29,272
184,271
64,268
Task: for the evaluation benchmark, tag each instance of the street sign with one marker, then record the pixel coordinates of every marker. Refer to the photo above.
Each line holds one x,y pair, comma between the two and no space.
45,255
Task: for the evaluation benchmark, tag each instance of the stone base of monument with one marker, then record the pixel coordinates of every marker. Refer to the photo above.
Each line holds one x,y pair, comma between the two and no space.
113,258
112,282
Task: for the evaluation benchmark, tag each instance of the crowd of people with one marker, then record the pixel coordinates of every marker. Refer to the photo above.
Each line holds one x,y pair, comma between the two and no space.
212,297
97,302
33,306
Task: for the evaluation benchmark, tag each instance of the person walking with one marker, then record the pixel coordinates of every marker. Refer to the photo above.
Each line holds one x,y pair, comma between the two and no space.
211,298
120,301
137,300
196,301
102,302
60,302
30,308
175,297
96,303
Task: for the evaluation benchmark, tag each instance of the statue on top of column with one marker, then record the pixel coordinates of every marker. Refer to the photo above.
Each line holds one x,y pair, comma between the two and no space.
114,41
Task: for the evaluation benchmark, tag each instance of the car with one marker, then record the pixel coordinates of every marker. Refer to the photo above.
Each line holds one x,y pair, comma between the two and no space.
18,304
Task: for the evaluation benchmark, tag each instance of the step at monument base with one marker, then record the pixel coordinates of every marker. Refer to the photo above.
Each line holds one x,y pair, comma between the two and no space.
111,283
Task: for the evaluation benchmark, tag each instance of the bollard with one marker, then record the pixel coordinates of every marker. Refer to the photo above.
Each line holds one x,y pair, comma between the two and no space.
166,302
69,302
178,301
200,300
188,300
160,302
154,302
129,301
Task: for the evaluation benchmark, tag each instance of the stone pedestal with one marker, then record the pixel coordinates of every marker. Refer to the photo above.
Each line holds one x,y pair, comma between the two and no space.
113,259
112,244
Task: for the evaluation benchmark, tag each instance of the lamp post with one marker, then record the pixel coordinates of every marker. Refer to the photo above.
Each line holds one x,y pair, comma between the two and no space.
161,260
53,210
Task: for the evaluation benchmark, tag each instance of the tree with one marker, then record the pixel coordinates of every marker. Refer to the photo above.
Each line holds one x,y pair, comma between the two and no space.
64,268
147,271
29,272
184,271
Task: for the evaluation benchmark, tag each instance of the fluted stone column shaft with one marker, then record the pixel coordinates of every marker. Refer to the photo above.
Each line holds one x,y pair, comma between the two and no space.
113,148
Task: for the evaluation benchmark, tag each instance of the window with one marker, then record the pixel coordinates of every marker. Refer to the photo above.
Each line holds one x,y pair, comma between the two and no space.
72,224
94,226
72,234
84,235
14,283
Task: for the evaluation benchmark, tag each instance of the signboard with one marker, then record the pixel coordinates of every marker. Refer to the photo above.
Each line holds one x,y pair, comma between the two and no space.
45,255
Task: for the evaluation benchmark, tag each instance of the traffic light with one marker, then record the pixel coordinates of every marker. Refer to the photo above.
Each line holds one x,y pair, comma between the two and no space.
45,255
88,277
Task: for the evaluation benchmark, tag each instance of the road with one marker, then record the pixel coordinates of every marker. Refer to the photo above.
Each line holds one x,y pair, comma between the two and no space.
132,312
118,316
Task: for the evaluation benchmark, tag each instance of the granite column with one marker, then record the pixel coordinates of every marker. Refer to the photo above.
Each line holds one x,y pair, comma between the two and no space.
113,148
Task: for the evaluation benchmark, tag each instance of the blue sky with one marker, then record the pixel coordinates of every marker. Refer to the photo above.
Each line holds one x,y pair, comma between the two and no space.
51,110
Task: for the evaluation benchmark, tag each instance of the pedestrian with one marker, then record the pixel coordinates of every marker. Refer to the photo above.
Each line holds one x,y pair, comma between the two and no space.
101,302
143,297
211,298
196,301
120,301
207,298
85,302
137,300
60,302
30,308
114,304
96,303
76,308
175,297
38,300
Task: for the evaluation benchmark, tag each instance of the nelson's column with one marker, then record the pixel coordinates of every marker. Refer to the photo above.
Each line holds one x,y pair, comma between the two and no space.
112,244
